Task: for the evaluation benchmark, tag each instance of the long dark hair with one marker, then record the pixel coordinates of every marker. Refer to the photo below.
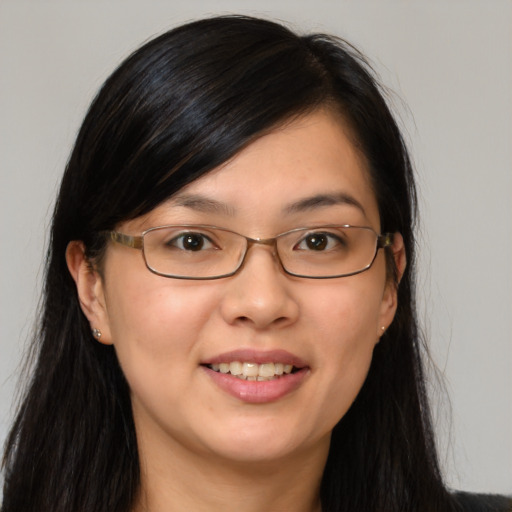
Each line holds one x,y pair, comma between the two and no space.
175,109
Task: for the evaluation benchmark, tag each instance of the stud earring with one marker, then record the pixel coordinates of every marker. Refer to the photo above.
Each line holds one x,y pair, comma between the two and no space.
96,333
383,329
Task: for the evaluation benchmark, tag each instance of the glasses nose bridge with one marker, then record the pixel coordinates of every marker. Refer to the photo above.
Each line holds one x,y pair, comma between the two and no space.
269,242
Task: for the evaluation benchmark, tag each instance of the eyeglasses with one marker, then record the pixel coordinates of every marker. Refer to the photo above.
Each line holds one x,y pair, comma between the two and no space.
210,252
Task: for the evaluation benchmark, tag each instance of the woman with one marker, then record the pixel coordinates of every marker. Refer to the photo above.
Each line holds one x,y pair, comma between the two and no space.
229,316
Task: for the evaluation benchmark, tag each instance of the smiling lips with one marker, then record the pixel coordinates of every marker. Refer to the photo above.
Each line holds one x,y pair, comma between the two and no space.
257,377
253,371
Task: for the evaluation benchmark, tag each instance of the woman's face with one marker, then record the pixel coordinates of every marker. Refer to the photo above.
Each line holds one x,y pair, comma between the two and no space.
168,332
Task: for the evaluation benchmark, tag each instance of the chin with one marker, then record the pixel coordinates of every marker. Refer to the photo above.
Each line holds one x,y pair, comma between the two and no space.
265,441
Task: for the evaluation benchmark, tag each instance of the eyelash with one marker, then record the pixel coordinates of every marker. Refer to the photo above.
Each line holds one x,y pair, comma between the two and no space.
179,240
338,241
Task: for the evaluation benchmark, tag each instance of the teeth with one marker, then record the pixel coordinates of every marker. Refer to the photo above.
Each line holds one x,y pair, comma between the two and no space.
253,371
250,369
236,368
266,370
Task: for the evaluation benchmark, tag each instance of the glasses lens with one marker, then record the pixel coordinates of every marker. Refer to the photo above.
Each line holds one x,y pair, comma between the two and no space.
327,251
193,251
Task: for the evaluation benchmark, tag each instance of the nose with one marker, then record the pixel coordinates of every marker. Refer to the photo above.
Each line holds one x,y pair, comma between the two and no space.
260,295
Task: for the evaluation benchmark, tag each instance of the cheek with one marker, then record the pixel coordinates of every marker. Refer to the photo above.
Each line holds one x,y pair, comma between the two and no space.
346,317
346,333
149,308
154,325
349,337
155,329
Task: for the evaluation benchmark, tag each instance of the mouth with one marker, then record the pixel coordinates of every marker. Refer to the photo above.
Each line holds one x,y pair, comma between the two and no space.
251,371
257,377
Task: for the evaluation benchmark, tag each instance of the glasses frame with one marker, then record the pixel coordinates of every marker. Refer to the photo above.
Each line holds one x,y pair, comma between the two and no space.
383,240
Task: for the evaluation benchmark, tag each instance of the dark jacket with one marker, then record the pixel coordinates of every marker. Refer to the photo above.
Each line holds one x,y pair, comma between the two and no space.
470,502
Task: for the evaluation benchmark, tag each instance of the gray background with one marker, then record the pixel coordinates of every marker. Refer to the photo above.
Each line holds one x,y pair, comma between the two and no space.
450,64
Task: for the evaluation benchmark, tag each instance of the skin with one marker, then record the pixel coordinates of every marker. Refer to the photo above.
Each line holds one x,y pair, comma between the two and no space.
201,448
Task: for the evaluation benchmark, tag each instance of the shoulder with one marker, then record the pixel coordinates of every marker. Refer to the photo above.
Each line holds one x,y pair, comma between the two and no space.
470,502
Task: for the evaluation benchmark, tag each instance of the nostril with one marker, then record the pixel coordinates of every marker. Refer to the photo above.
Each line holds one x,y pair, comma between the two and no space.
242,319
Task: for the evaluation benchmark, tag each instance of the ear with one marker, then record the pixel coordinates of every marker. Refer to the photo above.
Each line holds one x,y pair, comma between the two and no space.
389,298
90,289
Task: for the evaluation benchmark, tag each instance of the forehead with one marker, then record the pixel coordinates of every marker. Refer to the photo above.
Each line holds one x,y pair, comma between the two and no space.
294,172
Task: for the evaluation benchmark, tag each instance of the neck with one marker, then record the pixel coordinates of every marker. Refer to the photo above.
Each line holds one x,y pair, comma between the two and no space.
175,479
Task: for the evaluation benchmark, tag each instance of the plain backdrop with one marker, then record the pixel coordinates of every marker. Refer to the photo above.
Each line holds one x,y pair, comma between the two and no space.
449,64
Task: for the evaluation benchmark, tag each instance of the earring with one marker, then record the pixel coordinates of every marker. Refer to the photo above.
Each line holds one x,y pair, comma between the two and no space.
96,333
383,329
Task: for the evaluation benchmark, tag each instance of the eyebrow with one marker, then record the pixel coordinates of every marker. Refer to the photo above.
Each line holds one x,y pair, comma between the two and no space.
203,204
322,200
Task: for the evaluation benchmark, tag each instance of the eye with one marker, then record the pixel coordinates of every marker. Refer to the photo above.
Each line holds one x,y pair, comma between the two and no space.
319,241
191,242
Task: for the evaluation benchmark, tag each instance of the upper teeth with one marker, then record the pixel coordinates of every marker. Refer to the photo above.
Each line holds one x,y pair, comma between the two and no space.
253,371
